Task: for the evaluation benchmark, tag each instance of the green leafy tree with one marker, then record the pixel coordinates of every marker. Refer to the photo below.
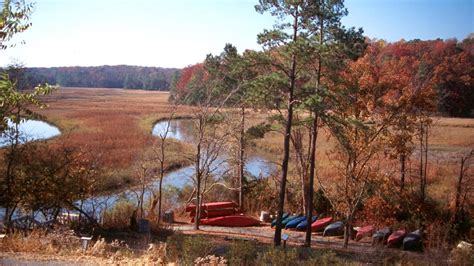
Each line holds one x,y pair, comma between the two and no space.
285,52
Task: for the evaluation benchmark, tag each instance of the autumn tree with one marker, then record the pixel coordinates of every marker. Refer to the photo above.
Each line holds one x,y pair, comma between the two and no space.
53,177
358,121
453,78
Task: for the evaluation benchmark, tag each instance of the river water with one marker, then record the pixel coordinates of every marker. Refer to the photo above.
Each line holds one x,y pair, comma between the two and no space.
29,130
181,129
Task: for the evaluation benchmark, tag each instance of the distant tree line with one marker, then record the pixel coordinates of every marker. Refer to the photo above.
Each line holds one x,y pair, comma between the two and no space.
122,76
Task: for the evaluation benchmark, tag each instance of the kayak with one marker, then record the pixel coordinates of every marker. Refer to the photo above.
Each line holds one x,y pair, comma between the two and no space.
364,232
413,241
293,223
320,224
212,206
288,219
232,220
396,237
285,215
334,229
214,213
302,224
381,235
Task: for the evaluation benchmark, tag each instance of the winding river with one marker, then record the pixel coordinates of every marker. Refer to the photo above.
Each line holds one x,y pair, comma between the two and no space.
180,129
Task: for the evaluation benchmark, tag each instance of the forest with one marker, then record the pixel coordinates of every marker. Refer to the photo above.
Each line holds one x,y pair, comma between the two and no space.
446,64
127,77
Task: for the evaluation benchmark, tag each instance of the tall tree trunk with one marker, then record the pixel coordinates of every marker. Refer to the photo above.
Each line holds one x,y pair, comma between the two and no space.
160,189
423,160
310,190
457,200
422,196
403,171
347,230
286,144
241,159
198,175
142,194
313,143
425,171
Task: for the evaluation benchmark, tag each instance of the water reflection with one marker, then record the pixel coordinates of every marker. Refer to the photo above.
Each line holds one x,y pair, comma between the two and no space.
179,129
29,130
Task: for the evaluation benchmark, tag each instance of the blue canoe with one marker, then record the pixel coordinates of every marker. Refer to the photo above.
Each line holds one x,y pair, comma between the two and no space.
285,215
293,223
289,219
302,224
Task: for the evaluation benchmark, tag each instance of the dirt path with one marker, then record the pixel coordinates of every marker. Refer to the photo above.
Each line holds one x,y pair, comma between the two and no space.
265,234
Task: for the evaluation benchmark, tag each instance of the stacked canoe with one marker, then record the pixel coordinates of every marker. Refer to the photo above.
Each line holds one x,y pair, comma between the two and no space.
399,238
300,222
221,214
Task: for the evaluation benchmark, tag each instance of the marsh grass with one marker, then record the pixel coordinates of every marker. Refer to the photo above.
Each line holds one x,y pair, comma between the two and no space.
114,125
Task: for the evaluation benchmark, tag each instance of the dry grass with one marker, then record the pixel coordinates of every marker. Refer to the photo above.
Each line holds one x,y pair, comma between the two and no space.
114,124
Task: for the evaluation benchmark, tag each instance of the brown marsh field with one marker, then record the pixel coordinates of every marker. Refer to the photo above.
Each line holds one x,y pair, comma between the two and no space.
115,125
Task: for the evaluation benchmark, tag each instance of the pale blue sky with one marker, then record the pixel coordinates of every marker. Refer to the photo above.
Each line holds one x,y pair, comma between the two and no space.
176,33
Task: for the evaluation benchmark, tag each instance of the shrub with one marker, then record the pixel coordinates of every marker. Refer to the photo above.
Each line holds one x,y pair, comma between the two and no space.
195,247
277,256
174,246
323,257
116,249
187,248
40,241
242,252
118,217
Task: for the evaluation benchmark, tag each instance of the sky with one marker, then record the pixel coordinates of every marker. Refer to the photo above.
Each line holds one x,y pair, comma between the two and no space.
177,33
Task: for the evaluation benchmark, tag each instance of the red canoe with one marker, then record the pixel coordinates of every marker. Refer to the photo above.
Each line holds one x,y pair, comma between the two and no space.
214,213
213,206
233,220
396,237
364,232
320,224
